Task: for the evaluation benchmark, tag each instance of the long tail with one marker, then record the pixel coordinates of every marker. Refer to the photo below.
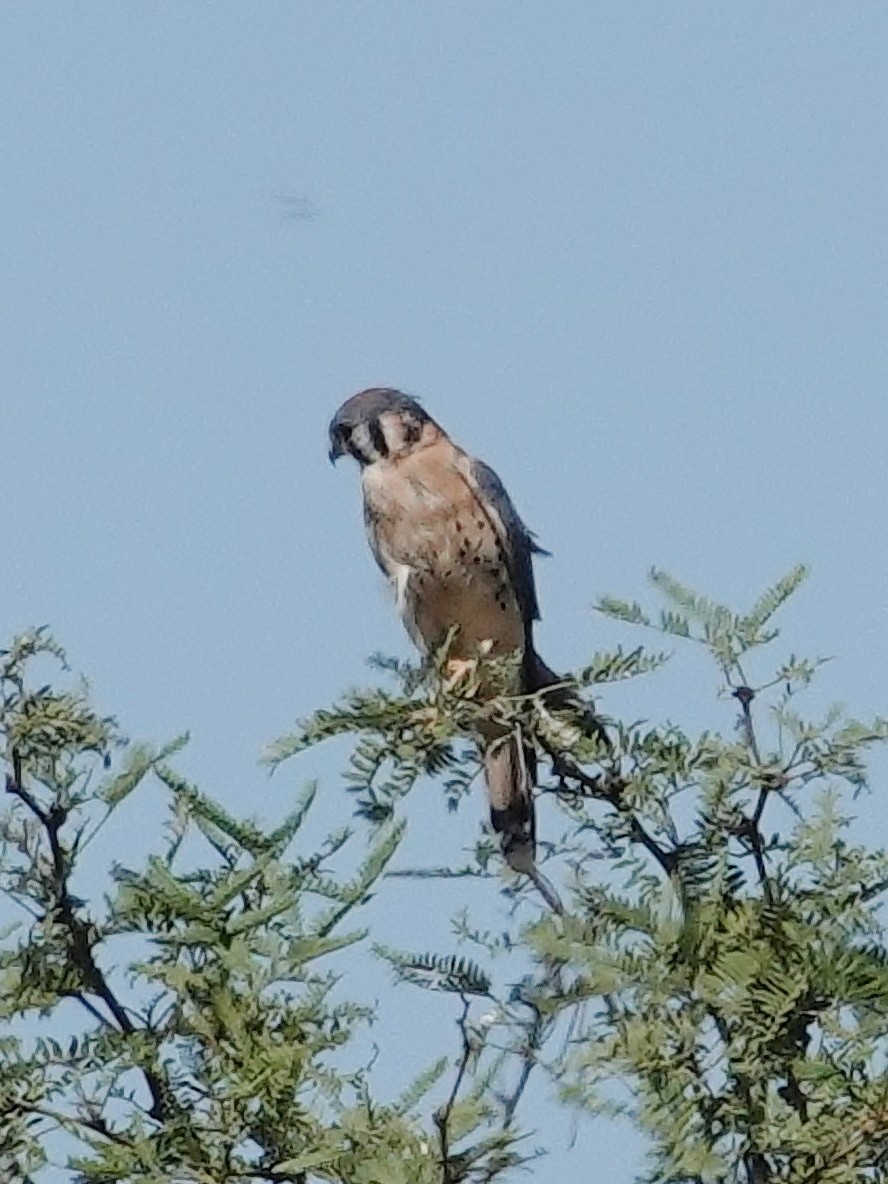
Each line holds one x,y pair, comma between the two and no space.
510,770
510,765
510,773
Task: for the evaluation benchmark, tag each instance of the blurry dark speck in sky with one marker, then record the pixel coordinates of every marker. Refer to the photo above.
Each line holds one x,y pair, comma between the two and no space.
295,207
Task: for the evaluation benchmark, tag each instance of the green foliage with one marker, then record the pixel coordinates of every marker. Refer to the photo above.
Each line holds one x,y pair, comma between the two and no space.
224,1049
750,1015
719,978
435,972
722,960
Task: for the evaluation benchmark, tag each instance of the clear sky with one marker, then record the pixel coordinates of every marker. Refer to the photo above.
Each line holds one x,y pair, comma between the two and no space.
633,254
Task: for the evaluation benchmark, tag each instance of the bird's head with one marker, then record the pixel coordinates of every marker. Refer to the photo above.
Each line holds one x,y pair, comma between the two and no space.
380,424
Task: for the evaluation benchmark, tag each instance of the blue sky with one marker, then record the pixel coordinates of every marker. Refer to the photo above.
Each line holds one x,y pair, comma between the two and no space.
634,255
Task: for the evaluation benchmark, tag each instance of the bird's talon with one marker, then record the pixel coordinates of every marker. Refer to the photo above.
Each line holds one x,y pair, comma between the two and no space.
458,670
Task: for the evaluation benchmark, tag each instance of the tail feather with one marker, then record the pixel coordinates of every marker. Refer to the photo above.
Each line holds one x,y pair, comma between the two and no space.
510,773
510,770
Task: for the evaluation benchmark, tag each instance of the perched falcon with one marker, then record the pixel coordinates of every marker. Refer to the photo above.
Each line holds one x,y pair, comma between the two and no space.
445,532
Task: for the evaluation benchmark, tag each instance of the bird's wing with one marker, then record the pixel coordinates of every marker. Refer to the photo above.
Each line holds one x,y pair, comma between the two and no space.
377,546
517,541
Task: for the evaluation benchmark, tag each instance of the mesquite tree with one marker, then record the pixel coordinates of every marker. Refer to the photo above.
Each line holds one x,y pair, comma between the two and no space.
719,974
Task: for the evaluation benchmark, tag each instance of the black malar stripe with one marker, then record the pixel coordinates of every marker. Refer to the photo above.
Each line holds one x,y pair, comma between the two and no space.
377,436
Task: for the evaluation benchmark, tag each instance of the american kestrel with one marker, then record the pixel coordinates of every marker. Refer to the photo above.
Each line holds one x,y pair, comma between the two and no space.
443,529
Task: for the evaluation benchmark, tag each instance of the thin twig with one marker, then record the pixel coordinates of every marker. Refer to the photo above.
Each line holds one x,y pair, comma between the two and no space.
547,890
532,1046
436,873
80,939
441,1117
608,788
755,1163
744,696
90,1007
751,826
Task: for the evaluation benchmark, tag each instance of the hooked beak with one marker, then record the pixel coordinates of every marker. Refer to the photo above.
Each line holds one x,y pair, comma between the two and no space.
337,448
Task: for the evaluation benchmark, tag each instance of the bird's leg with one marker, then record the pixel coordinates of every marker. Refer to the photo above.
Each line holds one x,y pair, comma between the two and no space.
461,669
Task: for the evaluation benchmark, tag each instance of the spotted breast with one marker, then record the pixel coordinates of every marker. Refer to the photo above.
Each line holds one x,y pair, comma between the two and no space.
444,553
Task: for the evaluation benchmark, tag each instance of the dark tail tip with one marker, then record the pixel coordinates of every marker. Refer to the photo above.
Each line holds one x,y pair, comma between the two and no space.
510,772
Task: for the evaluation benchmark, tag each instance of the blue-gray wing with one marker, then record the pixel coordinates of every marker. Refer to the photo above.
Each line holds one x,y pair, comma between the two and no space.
518,542
372,526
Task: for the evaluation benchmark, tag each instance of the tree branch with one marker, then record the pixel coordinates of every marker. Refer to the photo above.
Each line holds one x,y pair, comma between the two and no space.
750,828
441,1117
79,932
607,788
532,1046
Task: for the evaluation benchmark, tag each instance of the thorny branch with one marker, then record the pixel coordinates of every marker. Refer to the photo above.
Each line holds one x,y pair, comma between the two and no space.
80,937
532,1045
97,1124
750,828
607,787
442,1116
754,1162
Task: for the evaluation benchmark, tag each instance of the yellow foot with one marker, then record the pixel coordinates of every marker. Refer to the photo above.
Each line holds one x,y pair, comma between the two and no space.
458,670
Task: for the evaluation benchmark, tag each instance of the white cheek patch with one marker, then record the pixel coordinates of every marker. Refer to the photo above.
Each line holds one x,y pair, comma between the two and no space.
393,433
363,442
